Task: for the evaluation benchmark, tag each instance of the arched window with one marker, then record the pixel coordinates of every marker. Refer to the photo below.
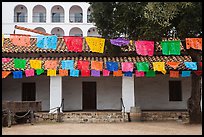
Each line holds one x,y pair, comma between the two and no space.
39,14
58,31
75,32
57,14
75,14
20,14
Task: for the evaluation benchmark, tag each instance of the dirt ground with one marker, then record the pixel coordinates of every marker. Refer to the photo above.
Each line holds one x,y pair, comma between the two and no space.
127,128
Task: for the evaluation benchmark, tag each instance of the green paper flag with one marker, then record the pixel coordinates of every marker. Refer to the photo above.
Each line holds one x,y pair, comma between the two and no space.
171,47
20,63
39,71
150,73
142,66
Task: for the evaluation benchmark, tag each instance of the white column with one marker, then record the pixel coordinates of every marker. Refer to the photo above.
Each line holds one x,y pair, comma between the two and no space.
128,92
85,15
48,15
55,92
30,15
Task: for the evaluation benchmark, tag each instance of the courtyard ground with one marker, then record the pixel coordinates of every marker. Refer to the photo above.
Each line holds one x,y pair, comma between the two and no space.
127,128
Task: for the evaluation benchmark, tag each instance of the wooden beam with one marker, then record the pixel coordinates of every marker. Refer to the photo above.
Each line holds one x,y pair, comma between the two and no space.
31,30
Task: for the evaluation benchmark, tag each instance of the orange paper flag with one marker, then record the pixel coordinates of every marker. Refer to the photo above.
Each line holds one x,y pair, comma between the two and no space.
118,73
20,40
97,65
195,43
63,72
173,64
51,64
174,74
5,73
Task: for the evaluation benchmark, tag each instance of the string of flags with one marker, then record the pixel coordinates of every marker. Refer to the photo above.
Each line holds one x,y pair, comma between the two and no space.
75,44
140,69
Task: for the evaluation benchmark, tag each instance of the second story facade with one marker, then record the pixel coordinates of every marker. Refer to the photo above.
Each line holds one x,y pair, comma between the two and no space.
59,18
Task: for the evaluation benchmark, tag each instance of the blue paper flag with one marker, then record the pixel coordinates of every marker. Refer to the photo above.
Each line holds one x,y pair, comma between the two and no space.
128,74
74,73
191,65
112,66
47,42
17,74
67,64
185,73
95,73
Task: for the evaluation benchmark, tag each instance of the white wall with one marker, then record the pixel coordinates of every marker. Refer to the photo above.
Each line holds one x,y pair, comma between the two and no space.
8,17
153,93
108,92
12,89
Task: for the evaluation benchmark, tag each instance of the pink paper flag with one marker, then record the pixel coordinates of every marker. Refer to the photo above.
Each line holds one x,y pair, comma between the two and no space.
106,72
139,73
5,60
29,72
144,47
127,66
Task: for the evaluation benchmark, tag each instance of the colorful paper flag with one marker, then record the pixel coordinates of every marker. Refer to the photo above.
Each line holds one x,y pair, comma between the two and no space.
127,66
85,73
74,43
200,63
29,72
5,73
17,74
97,65
112,66
39,71
142,66
185,73
195,43
6,60
47,42
117,73
36,64
63,72
198,72
83,65
119,42
67,64
128,74
51,72
74,73
20,63
159,66
106,72
139,74
173,64
171,47
174,74
2,39
144,48
51,64
150,73
191,65
95,44
20,39
95,73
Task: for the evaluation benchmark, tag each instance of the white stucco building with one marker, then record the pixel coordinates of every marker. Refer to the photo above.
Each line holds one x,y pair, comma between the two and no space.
60,18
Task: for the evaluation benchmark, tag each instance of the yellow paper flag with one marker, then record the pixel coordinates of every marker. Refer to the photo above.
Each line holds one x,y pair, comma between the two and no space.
159,66
2,39
51,72
35,64
96,44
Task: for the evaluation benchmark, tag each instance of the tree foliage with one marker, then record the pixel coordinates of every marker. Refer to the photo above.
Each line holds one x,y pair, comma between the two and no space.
147,20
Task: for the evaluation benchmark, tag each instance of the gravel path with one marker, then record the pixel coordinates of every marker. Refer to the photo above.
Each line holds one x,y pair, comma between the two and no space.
128,128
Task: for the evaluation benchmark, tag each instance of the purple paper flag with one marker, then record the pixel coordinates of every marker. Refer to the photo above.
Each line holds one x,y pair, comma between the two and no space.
95,73
119,41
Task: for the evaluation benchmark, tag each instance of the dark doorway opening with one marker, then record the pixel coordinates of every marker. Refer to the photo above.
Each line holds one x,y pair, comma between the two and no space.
89,96
28,92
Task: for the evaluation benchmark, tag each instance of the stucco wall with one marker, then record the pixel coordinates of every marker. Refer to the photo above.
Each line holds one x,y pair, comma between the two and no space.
109,92
153,93
12,89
